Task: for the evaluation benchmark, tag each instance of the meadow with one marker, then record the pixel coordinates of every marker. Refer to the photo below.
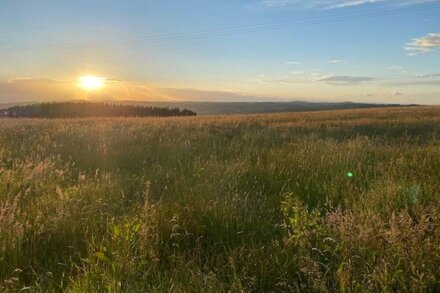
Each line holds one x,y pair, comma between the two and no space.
338,201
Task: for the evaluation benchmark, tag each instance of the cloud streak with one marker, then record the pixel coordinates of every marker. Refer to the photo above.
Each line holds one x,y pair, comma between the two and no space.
345,79
428,75
423,83
300,77
335,61
333,4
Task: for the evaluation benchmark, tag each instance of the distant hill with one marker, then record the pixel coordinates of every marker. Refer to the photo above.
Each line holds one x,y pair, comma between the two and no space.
89,109
220,108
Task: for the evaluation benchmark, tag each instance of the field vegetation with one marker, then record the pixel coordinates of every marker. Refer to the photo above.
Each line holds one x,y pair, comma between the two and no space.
331,201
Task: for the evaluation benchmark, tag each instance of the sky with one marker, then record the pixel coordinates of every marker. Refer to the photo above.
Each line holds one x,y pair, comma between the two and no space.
380,51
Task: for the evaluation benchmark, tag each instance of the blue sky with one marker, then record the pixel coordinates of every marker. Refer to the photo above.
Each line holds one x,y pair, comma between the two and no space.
324,50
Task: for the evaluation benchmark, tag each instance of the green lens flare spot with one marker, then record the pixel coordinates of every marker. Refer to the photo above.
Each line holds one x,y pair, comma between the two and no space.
349,174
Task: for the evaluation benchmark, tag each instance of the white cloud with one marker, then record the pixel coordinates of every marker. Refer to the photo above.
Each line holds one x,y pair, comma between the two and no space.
423,44
335,61
332,4
293,63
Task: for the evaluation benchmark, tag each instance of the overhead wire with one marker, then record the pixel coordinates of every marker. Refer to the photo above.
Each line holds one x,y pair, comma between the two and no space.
219,32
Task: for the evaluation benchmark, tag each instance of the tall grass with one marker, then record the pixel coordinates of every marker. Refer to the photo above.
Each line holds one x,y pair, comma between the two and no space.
227,203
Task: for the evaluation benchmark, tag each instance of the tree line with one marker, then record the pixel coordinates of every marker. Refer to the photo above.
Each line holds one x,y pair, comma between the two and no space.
90,109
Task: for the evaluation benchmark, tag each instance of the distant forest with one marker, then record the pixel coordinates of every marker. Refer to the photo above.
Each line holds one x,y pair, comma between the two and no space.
90,109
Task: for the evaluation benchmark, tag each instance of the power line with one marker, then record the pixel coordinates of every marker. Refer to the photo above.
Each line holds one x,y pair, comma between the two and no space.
220,32
215,32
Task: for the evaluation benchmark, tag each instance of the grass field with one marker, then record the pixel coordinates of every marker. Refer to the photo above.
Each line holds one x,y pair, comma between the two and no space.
331,201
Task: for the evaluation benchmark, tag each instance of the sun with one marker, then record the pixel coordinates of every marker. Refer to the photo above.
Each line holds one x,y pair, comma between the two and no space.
91,82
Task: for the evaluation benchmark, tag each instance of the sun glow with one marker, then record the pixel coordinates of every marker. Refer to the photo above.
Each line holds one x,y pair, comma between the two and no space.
91,82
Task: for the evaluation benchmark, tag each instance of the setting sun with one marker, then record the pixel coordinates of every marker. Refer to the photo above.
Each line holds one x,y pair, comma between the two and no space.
91,82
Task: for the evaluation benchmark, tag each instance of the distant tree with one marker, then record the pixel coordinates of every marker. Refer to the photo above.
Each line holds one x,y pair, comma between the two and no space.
90,109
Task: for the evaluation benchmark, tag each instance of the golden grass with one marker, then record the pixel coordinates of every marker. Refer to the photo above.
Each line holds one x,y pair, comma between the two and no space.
222,203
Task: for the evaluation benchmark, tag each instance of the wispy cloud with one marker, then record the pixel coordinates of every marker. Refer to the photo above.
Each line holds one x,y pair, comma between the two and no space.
332,4
294,77
336,61
301,77
387,94
395,67
282,79
345,79
278,3
423,44
293,63
429,75
343,4
421,82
